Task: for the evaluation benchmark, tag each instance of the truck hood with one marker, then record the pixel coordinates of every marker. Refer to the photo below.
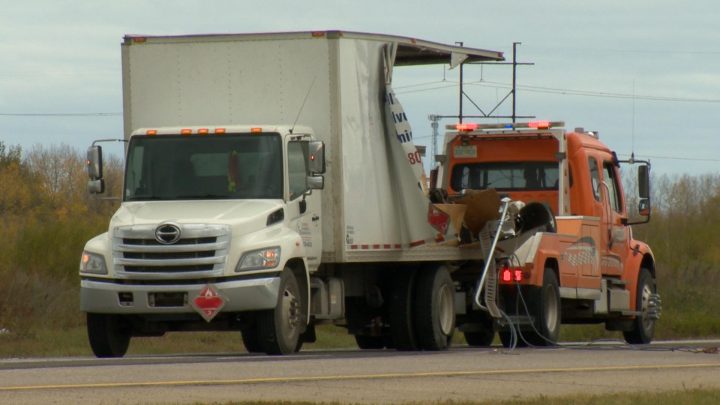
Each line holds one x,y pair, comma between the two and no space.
250,214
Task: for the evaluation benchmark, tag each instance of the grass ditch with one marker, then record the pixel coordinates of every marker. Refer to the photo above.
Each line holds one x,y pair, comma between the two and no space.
699,396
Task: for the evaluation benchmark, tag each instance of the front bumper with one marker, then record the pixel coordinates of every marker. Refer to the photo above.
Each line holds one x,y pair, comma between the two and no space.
108,297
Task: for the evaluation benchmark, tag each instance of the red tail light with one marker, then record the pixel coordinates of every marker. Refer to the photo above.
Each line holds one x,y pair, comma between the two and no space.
508,274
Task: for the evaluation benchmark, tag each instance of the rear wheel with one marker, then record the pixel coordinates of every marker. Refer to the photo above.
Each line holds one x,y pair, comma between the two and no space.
434,309
279,329
400,308
643,326
109,335
370,342
544,306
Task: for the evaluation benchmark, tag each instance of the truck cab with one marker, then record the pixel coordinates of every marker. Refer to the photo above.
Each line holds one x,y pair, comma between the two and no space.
211,219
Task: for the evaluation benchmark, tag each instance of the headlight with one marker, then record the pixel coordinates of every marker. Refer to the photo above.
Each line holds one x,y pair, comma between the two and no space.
259,259
92,263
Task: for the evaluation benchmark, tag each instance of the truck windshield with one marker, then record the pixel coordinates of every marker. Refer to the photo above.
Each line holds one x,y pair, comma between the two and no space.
237,166
505,176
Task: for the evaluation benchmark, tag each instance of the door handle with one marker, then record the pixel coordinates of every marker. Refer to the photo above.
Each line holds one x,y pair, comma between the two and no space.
315,217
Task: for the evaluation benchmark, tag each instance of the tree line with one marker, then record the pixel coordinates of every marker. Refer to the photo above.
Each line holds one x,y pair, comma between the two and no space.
46,216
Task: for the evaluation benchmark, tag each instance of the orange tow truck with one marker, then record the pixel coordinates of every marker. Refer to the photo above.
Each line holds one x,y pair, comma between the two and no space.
562,249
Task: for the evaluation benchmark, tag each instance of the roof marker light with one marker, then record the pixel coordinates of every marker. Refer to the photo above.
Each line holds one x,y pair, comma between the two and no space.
539,124
203,131
219,131
466,127
186,131
256,130
151,132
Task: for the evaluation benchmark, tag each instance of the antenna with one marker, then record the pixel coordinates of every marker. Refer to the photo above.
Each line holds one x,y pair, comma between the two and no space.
303,104
632,133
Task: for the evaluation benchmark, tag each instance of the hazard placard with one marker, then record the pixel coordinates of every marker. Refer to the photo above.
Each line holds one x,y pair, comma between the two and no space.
209,302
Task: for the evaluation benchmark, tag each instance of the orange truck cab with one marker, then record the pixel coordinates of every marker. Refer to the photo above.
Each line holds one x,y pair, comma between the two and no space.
580,263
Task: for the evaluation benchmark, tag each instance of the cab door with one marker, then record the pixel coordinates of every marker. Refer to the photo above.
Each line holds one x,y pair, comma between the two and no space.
617,233
303,204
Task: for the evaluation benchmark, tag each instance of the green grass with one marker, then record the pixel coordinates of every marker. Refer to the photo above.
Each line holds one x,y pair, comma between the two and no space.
682,397
72,341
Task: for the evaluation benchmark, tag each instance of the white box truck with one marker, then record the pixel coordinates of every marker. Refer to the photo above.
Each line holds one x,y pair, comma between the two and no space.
271,184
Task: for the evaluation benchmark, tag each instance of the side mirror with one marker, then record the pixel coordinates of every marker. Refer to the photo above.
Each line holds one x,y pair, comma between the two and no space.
644,207
643,194
96,186
644,181
316,182
316,157
94,164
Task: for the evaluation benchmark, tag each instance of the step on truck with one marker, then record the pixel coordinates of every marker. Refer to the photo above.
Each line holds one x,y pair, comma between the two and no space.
563,251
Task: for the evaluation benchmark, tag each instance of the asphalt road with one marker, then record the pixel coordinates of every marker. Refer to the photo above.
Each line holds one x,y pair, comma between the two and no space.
363,376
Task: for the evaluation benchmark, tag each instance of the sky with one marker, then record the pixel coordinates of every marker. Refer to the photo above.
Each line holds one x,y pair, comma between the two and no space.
645,74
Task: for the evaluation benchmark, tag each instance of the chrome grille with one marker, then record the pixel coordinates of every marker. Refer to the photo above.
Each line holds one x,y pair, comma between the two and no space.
201,251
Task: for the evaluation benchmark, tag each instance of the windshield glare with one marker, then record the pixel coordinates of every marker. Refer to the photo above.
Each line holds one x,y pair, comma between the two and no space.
236,166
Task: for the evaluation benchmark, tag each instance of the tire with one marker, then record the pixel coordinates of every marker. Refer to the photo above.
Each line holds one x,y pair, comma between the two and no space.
434,309
536,214
251,340
484,336
400,311
109,336
643,326
279,329
544,306
506,339
366,342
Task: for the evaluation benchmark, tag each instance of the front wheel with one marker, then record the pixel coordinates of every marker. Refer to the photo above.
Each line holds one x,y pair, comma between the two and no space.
279,329
643,326
109,335
545,307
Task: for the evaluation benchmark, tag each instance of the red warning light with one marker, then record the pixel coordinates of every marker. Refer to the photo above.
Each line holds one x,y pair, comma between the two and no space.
466,127
539,124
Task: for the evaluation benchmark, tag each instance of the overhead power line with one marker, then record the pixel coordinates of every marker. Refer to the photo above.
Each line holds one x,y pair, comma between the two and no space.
442,84
695,159
56,114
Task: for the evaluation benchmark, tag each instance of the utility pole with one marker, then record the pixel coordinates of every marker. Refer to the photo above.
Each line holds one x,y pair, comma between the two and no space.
514,77
460,100
435,124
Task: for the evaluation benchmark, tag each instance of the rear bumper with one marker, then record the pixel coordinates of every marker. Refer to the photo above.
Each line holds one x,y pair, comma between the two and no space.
113,298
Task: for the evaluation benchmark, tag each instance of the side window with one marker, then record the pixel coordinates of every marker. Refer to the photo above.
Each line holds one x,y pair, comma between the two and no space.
297,169
594,177
611,181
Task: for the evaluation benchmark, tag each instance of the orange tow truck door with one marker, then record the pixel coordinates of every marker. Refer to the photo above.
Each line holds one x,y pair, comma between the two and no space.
608,206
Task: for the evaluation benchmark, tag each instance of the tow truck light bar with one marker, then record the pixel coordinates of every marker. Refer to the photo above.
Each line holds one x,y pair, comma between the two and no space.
542,124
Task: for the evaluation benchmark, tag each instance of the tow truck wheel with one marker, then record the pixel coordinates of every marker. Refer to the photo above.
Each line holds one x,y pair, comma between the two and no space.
643,328
544,307
506,338
482,333
434,308
279,329
109,336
